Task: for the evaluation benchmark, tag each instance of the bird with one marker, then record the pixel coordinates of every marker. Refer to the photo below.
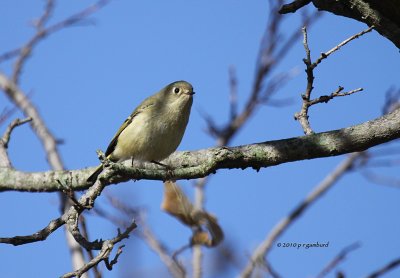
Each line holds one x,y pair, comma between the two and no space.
155,128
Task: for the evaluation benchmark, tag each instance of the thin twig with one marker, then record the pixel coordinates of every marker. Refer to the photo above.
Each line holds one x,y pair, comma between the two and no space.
262,250
302,116
10,54
27,49
343,43
386,268
104,253
7,134
5,161
337,93
96,271
38,236
338,259
42,32
6,113
233,95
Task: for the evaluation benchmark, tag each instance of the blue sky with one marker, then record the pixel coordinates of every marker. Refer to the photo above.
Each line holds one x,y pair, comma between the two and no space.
87,79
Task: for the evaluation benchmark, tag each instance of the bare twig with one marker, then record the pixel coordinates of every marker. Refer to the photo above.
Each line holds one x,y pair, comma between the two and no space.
302,116
10,54
262,250
338,259
104,253
38,236
307,102
233,95
4,159
6,113
96,271
17,122
343,43
386,268
337,93
27,49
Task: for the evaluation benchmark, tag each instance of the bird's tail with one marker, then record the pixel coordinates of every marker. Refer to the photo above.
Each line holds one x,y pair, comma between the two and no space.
93,177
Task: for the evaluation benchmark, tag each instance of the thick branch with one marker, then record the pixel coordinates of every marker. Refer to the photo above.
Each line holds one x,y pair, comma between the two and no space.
384,15
196,164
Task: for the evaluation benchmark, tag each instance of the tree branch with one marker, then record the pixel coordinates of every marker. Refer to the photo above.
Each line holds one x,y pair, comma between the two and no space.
383,15
293,6
196,164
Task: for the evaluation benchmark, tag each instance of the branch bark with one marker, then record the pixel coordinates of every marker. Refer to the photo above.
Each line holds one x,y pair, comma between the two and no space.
384,15
197,164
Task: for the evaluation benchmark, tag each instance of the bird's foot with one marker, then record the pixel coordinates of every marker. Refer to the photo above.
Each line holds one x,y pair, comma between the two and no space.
168,168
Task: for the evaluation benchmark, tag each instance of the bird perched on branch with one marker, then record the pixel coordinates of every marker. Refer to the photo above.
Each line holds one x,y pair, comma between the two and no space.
154,129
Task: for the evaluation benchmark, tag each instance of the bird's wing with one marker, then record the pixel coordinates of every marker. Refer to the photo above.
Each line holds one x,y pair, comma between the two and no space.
144,106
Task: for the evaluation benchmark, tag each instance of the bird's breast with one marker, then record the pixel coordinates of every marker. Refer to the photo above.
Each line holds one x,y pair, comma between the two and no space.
151,136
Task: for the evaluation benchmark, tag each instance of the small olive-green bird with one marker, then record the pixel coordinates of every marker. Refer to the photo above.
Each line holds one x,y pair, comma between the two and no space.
154,129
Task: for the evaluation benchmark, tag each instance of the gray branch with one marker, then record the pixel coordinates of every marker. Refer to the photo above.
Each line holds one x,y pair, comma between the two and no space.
197,164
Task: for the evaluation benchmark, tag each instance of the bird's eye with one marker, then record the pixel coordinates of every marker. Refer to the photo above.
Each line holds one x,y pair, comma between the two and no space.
176,90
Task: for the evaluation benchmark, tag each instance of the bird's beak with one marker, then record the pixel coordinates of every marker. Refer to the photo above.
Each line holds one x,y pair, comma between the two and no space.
190,93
